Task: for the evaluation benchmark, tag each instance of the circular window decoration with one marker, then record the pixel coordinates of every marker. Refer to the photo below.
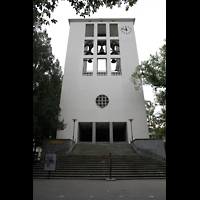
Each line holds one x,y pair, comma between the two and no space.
102,101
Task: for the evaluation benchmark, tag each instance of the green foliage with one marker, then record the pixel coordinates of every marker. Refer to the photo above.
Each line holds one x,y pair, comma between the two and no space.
151,118
156,121
85,7
153,72
47,81
41,9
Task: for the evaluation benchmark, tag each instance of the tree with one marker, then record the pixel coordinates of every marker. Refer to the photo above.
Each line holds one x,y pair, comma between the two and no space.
85,7
156,121
153,72
151,118
47,76
43,8
47,81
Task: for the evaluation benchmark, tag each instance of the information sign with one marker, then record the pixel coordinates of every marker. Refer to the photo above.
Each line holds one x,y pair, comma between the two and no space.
50,162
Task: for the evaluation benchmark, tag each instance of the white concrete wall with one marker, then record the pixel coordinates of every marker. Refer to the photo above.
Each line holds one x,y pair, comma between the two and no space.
79,92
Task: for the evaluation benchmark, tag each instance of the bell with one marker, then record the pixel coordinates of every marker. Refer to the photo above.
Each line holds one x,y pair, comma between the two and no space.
113,61
101,52
115,51
89,44
88,52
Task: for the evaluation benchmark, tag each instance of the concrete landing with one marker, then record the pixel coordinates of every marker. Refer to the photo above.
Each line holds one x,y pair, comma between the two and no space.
99,189
103,149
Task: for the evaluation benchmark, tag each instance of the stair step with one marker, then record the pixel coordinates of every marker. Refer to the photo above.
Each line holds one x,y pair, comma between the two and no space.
92,162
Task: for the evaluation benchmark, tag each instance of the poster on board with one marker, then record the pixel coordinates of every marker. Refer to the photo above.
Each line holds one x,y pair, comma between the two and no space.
50,162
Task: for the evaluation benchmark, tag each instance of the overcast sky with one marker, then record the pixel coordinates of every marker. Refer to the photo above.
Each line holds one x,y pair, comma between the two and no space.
150,28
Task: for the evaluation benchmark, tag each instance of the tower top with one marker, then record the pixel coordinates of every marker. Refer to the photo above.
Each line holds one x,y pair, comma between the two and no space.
102,20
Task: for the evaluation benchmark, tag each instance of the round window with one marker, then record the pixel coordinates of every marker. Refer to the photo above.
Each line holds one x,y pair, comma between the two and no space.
102,101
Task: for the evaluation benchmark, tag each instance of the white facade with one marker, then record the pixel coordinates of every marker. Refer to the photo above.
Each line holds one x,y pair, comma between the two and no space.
82,86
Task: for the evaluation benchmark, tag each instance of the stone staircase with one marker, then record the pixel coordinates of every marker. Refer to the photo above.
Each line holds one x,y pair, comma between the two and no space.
88,161
103,149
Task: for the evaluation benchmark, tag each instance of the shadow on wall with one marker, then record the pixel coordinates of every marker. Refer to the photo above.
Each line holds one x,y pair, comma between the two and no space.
150,147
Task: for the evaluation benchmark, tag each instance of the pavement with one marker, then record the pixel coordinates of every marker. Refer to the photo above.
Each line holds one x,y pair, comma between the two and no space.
53,189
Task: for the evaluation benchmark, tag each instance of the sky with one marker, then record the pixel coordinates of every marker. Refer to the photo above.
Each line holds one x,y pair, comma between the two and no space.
149,27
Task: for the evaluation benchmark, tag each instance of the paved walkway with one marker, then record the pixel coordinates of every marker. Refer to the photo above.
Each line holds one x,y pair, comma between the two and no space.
98,189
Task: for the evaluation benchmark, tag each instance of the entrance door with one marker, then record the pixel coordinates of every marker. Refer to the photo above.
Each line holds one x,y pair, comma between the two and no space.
102,131
119,132
85,131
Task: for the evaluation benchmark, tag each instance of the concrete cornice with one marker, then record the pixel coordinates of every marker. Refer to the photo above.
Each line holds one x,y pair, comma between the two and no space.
102,20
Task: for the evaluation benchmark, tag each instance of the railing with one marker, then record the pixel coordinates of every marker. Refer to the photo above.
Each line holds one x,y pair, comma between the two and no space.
117,73
101,73
145,152
87,73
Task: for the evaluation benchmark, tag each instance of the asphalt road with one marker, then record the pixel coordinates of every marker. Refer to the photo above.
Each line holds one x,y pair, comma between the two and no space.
98,189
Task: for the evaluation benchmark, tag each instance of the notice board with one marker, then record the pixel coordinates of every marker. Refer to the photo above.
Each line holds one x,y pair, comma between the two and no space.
50,162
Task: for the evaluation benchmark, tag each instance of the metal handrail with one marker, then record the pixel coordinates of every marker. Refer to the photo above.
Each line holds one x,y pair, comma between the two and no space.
149,153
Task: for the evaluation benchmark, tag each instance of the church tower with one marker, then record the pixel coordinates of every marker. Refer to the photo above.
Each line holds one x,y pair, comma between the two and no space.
98,101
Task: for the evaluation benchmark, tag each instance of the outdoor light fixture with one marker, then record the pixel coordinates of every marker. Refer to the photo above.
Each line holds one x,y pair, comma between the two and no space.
131,128
74,127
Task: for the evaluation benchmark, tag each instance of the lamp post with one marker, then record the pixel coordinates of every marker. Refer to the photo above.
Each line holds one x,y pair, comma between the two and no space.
131,128
74,127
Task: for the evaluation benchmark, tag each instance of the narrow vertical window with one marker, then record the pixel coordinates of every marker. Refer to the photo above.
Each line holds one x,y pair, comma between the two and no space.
89,31
116,67
87,67
101,30
88,47
113,30
101,47
101,67
114,47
